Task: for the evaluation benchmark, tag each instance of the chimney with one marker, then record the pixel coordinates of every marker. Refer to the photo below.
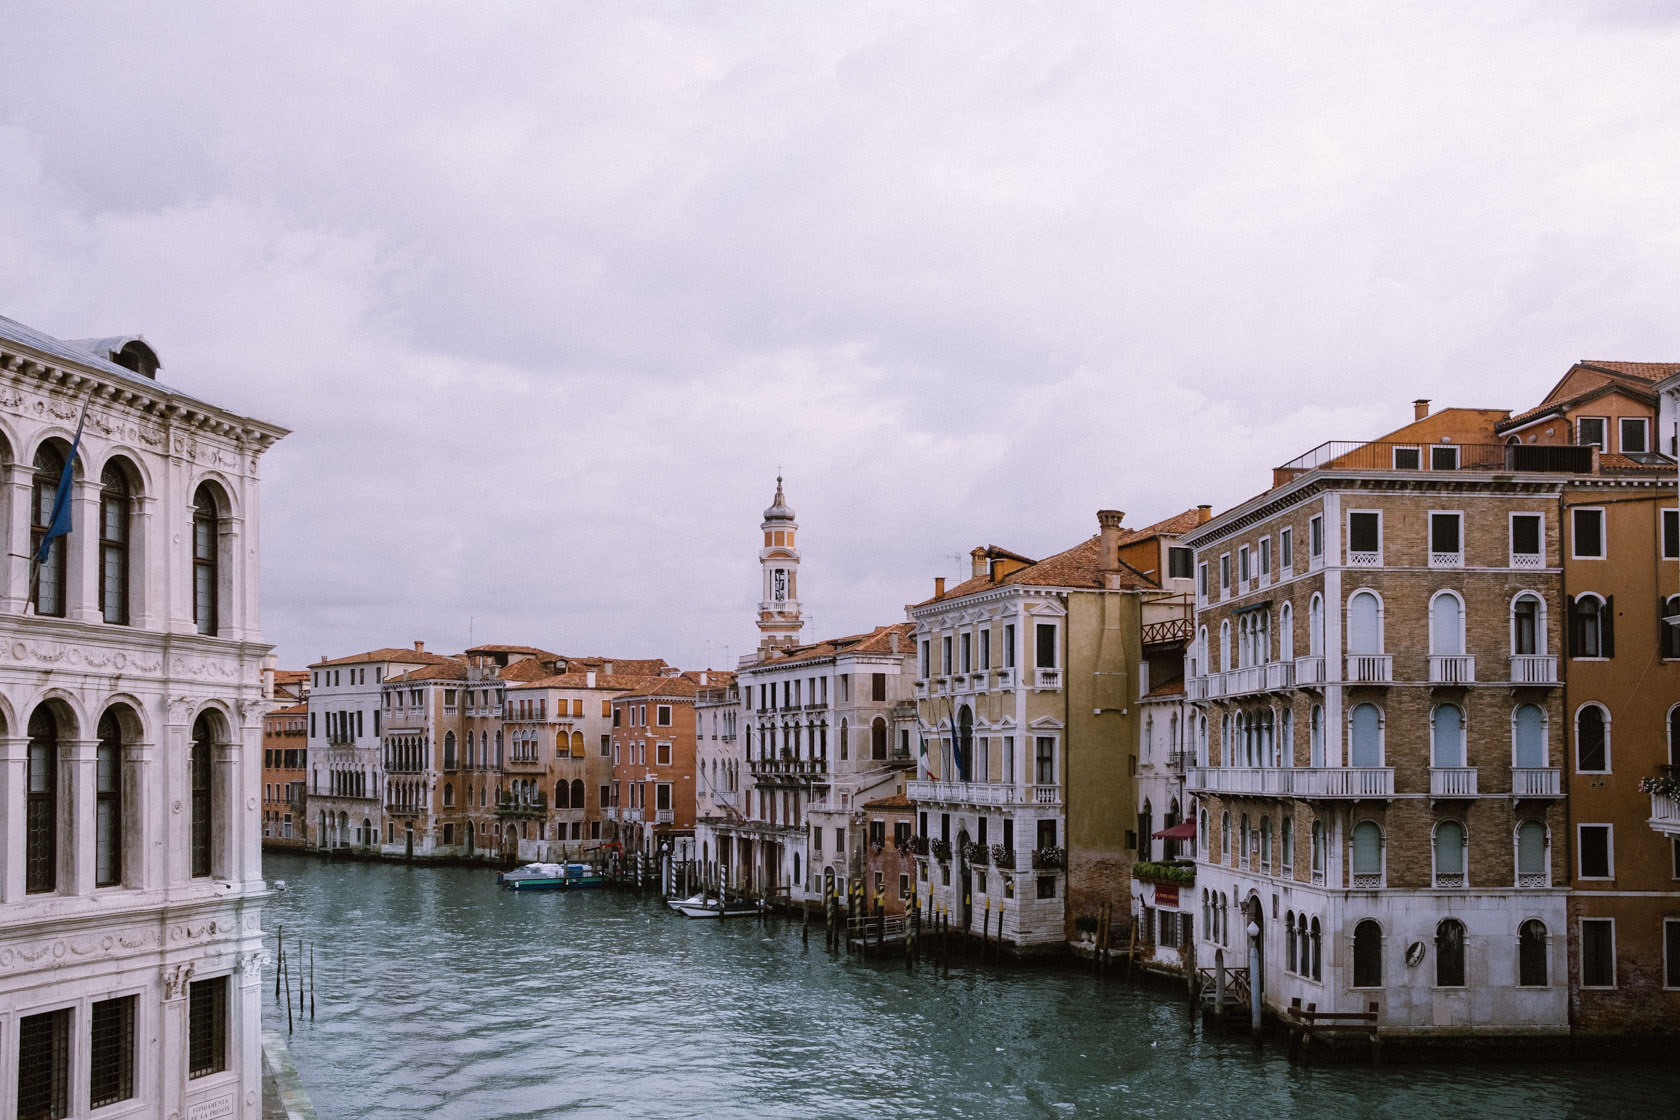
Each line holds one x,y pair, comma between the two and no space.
1420,409
977,565
589,679
938,586
1108,551
892,641
419,647
606,667
1204,514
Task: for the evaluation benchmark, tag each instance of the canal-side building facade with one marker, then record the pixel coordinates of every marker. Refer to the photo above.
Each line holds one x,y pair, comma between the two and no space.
718,781
131,701
1381,730
654,731
285,775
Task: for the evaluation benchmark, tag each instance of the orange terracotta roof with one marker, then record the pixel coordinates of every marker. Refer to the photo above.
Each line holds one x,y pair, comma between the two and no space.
664,688
530,669
446,671
1620,464
878,640
1075,569
1523,419
604,682
406,656
291,710
1642,371
530,651
1171,688
896,801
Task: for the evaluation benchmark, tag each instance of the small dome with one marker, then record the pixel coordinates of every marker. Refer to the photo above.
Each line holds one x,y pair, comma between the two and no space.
778,510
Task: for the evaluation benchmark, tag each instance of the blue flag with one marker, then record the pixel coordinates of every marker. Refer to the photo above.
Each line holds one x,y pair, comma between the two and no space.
60,524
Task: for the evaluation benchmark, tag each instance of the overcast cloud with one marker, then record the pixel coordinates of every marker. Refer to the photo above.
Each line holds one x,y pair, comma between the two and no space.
548,292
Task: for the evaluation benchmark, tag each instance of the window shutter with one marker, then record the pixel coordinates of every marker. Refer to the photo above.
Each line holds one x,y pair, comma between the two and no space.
1608,624
1574,626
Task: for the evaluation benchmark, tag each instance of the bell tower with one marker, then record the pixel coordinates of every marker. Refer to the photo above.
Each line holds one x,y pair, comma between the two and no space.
779,622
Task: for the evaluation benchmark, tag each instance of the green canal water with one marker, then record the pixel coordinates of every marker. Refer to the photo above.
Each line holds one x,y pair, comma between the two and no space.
438,995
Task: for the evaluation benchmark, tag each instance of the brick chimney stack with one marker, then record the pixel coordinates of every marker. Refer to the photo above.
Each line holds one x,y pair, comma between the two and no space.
977,562
938,586
1420,409
419,647
1204,514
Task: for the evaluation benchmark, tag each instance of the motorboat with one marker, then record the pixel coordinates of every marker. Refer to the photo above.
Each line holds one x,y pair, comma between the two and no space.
551,877
707,905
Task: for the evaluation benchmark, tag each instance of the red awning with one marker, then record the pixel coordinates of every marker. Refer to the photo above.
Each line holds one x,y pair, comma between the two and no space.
1183,830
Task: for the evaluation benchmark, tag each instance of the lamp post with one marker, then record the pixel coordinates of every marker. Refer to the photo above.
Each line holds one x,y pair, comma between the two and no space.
1254,979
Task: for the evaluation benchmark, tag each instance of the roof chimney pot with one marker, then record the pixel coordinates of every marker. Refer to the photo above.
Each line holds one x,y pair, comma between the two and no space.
977,562
1420,409
938,586
419,647
1204,514
1108,551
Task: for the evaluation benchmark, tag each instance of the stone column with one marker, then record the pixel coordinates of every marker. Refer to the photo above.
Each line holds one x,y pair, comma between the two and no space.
142,829
146,592
172,1030
78,759
174,783
227,812
14,793
81,570
15,591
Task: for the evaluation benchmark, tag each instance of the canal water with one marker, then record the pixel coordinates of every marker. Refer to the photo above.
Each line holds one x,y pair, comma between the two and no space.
439,995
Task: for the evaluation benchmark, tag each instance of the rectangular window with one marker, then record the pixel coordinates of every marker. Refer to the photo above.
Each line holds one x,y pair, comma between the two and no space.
839,840
1408,459
662,715
1286,548
1009,645
111,1053
1587,533
1365,537
1446,540
1046,886
816,839
1265,557
1671,952
945,655
1315,536
1596,857
1009,759
1044,761
901,834
1671,534
1443,458
1046,645
1633,435
878,686
1201,580
1589,430
207,1027
926,663
662,754
662,796
44,1065
1243,572
606,796
985,658
1598,953
1179,560
1225,573
1526,533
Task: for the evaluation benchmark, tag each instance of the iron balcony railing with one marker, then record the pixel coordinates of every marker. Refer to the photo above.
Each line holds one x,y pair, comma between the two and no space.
1416,458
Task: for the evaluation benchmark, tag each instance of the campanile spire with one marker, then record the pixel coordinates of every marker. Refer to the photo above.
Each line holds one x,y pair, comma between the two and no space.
779,620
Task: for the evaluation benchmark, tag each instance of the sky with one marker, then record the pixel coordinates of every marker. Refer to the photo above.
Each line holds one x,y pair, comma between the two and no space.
549,293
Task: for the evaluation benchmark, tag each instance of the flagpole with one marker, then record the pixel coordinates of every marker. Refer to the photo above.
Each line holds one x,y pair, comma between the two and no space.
35,559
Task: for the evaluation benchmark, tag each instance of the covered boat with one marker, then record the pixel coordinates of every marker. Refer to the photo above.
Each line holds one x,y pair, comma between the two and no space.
705,905
550,877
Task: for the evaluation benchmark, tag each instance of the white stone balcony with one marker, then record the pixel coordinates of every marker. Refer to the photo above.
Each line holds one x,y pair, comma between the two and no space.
1370,668
1665,814
1006,678
1536,781
1309,671
1047,678
1327,782
1451,668
983,793
1534,668
1196,688
663,816
1452,781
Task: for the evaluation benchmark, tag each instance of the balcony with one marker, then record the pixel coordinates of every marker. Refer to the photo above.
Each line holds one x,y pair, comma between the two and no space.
1006,678
1665,814
663,816
509,808
1414,459
1195,688
1370,668
1534,668
983,793
1452,782
1451,668
1181,762
1273,676
1047,678
1314,782
1309,671
1536,781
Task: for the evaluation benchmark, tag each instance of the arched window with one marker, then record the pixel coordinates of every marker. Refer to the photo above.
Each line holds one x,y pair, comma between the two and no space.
1306,945
206,573
50,577
1365,736
108,804
1317,939
577,793
1315,737
1207,917
448,796
41,816
1318,850
1528,736
878,740
1367,856
1289,942
562,792
1364,623
1590,628
1288,843
449,750
945,774
1532,867
1225,836
1674,735
1668,638
1449,854
203,803
1315,626
1286,633
1528,637
1225,645
1202,834
115,505
1266,843
1446,624
1242,840
1592,740
1367,955
1286,742
1449,954
1531,954
1446,736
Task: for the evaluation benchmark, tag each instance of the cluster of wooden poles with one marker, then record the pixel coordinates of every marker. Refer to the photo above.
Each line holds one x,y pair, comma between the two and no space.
304,970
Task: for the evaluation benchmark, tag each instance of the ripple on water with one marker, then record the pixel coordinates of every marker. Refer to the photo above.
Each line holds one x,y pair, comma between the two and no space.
440,996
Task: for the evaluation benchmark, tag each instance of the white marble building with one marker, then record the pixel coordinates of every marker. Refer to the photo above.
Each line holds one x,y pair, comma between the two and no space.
131,704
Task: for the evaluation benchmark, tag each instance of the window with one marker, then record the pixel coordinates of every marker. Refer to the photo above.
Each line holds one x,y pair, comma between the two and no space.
1668,640
1446,737
1632,433
1046,644
1446,625
41,814
1531,954
1531,855
1528,737
1592,740
878,686
662,715
1443,458
1449,954
1408,458
1044,772
1592,626
1315,536
1597,860
662,797
1364,624
1178,562
199,768
108,797
206,531
1526,535
1046,886
1202,581
1288,843
662,754
1265,557
1225,573
1598,952
1367,955
50,578
945,655
1367,858
1365,736
1446,540
965,650
44,1065
1009,645
114,508
1526,635
1286,548
207,1026
1449,854
1587,533
1364,538
1671,952
111,1052
1590,430
1671,534
1244,572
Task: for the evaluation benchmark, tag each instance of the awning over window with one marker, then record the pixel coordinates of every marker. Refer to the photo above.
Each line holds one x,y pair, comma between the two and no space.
1183,830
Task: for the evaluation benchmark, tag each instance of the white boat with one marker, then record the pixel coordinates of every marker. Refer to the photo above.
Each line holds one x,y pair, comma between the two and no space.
711,906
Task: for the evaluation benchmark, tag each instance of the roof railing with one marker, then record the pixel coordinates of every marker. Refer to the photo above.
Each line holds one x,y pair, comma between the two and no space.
1421,458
